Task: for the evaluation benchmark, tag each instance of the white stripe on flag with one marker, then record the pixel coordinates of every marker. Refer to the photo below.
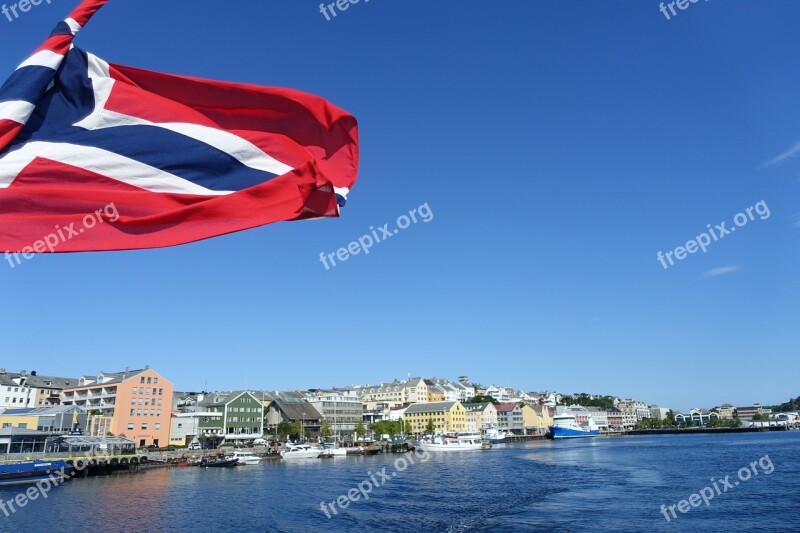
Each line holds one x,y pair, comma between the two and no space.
103,162
240,149
16,110
43,58
73,25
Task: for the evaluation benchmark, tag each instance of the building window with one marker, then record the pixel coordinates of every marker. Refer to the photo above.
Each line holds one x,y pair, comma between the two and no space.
131,412
160,392
144,426
141,380
158,426
147,391
138,412
135,390
130,426
155,381
149,380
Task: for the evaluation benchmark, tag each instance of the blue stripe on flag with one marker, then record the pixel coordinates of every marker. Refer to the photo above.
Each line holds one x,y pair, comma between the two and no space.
27,83
168,151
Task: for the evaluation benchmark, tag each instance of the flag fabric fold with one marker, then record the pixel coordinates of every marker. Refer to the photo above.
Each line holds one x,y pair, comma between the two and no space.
178,158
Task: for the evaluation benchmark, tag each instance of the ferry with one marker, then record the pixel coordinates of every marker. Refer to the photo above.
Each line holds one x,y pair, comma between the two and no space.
33,471
565,426
451,443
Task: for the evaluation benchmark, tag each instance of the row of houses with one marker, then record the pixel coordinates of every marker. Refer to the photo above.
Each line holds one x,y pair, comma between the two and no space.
142,406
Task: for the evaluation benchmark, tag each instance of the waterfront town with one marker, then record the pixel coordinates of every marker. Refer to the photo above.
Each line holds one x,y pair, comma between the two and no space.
142,407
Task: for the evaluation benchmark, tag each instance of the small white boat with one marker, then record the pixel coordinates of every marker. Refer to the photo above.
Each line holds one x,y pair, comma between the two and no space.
451,443
245,458
495,435
301,451
333,451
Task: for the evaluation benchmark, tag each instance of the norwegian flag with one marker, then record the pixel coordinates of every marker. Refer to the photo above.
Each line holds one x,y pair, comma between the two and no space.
179,158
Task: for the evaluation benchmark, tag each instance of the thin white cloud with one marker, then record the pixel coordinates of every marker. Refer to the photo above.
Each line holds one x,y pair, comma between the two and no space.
714,272
788,154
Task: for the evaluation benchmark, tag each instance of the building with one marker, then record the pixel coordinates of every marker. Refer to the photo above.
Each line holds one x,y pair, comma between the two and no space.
747,413
241,420
291,407
53,419
395,394
31,390
658,412
600,417
615,419
697,416
726,411
536,418
639,409
436,392
185,428
342,410
134,404
446,417
480,416
509,418
629,414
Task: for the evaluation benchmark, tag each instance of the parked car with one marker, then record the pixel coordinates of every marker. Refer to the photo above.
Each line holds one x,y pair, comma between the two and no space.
194,446
260,442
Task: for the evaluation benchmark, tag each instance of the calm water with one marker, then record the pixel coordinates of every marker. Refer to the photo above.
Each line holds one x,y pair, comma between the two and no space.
608,484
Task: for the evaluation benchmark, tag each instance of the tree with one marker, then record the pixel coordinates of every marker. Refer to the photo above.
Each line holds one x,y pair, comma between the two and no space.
325,430
359,430
296,429
284,428
482,399
430,427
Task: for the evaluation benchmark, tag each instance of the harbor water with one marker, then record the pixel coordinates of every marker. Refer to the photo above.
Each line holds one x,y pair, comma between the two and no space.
595,484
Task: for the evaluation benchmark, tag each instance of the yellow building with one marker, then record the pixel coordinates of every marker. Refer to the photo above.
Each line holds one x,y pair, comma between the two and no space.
536,418
58,418
446,417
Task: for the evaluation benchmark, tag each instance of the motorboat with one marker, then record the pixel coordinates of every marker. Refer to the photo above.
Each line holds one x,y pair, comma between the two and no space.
451,442
301,451
495,435
219,463
245,458
332,450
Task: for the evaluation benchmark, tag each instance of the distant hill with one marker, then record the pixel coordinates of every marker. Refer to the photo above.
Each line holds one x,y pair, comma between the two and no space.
792,405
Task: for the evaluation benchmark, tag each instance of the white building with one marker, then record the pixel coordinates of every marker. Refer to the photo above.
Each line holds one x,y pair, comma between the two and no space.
341,409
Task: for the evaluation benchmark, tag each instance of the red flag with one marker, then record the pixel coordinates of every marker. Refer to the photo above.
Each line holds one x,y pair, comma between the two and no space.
96,156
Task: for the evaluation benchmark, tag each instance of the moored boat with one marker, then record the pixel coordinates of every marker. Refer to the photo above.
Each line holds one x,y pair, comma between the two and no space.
220,463
245,458
451,443
33,471
494,435
565,426
301,451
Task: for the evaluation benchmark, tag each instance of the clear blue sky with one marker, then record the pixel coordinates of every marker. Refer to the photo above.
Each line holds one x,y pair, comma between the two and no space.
560,146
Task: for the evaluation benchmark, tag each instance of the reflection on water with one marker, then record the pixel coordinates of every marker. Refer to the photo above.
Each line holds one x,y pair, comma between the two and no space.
603,483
